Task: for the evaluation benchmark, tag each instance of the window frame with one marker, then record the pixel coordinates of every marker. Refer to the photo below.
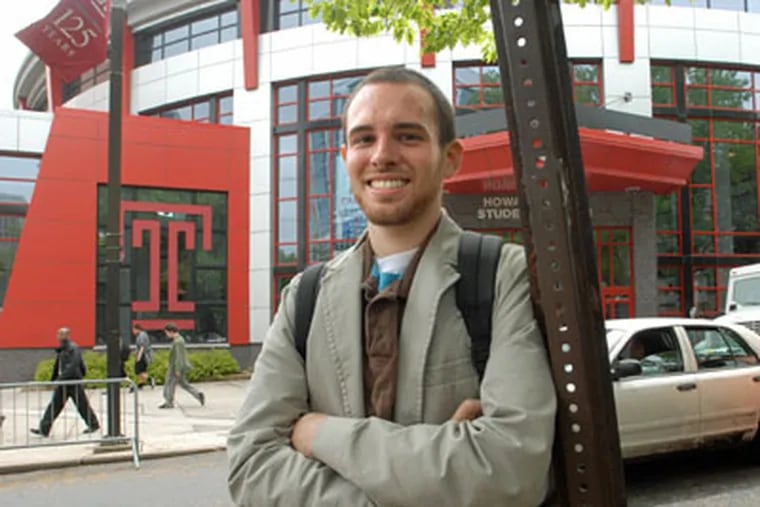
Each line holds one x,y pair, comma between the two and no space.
144,45
719,330
213,102
673,335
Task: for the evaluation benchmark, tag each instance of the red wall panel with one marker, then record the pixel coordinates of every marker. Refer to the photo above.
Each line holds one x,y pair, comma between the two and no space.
52,283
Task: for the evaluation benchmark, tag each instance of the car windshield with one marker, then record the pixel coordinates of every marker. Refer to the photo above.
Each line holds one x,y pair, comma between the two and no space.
747,292
614,336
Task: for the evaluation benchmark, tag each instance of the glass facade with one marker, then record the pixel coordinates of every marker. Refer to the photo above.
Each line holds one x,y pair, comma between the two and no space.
17,178
477,86
728,5
712,224
201,30
315,214
96,75
213,109
292,13
174,262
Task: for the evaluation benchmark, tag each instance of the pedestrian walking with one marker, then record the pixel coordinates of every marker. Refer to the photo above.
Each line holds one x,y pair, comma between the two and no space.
143,356
69,365
178,368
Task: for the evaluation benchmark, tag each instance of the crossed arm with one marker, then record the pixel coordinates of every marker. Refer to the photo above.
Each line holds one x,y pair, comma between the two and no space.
281,454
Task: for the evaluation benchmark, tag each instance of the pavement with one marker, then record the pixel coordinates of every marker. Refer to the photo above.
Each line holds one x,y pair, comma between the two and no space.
186,429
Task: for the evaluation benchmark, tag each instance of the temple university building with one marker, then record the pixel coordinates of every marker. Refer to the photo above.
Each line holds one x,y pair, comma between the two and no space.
233,180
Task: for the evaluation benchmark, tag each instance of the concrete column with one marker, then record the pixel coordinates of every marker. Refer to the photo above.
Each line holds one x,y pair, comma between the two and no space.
644,253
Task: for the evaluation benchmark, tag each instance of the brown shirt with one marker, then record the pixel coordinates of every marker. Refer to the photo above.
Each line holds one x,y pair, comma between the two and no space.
383,313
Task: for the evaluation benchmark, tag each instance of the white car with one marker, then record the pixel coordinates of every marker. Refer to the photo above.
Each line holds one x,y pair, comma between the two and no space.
683,383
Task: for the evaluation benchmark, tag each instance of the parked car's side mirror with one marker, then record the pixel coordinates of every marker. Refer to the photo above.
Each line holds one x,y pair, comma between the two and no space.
732,307
625,368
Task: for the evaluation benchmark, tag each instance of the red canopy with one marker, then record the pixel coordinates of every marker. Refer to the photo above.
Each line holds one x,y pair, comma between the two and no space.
613,162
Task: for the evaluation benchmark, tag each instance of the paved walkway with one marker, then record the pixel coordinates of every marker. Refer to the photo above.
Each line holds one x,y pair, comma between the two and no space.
188,428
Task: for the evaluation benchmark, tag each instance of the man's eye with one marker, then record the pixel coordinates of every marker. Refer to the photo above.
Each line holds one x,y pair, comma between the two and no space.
363,140
410,137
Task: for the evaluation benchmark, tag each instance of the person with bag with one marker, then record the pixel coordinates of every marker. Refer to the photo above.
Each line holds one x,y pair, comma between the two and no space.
178,368
401,388
143,356
69,365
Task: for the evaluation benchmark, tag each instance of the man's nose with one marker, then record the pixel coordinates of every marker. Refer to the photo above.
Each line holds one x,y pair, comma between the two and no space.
385,152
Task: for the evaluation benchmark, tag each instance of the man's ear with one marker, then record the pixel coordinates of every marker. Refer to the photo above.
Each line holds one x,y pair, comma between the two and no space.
452,155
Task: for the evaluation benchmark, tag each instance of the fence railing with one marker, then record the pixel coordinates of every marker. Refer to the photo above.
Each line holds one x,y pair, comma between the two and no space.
23,406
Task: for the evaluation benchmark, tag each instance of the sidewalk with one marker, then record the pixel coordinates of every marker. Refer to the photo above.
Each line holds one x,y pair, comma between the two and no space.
186,429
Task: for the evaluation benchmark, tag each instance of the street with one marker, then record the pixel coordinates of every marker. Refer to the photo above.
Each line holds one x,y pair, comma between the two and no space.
722,479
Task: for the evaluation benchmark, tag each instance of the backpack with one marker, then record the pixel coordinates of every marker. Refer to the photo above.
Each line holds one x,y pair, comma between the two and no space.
478,259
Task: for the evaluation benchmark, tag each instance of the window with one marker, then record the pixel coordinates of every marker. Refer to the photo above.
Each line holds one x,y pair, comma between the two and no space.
293,13
18,175
713,223
729,5
670,291
656,349
96,75
614,253
720,348
203,30
315,214
213,109
477,86
175,262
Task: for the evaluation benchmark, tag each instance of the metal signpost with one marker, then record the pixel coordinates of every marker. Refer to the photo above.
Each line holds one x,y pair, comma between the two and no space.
113,233
555,215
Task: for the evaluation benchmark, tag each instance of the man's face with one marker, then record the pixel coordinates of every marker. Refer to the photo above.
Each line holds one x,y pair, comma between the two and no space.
62,337
169,334
394,160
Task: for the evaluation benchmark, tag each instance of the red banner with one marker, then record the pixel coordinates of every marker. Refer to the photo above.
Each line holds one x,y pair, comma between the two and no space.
72,38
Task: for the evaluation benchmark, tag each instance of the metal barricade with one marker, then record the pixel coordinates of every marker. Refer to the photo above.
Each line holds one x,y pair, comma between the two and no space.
23,404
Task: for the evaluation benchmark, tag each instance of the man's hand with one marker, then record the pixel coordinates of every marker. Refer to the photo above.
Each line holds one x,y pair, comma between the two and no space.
304,432
467,411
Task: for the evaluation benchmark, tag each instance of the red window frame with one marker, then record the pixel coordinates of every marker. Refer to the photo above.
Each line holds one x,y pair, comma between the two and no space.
482,86
719,275
613,294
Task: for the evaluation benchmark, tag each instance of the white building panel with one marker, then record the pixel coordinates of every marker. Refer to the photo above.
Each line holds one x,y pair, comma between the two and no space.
33,131
582,41
672,43
720,47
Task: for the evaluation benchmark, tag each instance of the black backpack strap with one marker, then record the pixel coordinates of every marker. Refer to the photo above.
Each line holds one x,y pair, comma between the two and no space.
478,260
306,297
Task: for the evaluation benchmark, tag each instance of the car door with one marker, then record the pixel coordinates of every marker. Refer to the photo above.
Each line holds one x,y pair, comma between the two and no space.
728,379
658,411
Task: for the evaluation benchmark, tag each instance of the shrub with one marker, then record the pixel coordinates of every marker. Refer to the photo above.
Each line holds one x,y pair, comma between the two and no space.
207,365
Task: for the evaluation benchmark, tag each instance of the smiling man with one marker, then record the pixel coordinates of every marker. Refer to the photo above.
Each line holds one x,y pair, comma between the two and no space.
387,407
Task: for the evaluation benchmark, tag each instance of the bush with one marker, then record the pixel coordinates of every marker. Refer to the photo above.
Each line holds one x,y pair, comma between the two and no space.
207,365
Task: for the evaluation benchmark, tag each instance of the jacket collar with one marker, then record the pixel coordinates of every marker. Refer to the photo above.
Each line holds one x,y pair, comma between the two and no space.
341,310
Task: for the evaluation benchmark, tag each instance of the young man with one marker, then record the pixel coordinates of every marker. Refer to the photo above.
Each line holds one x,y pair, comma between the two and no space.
178,368
69,365
387,408
143,356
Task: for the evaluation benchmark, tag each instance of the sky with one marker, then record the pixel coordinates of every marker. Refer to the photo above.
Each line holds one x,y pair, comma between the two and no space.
12,51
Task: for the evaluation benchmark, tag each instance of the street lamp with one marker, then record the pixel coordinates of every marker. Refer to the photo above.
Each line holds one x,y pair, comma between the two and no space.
113,232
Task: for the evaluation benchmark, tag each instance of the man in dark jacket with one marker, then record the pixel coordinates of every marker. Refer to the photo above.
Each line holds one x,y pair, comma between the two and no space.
69,365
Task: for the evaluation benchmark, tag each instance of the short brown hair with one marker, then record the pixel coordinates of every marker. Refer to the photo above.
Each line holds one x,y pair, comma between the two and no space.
138,327
444,112
171,328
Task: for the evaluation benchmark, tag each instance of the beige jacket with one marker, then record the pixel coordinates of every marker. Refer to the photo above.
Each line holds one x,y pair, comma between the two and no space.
421,459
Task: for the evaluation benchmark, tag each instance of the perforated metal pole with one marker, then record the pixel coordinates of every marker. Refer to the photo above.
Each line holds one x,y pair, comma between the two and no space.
555,213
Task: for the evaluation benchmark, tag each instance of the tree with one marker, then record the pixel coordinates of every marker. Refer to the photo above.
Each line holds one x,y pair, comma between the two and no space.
444,27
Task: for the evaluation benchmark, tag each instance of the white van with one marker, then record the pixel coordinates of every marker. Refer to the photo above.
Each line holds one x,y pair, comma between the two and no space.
743,297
